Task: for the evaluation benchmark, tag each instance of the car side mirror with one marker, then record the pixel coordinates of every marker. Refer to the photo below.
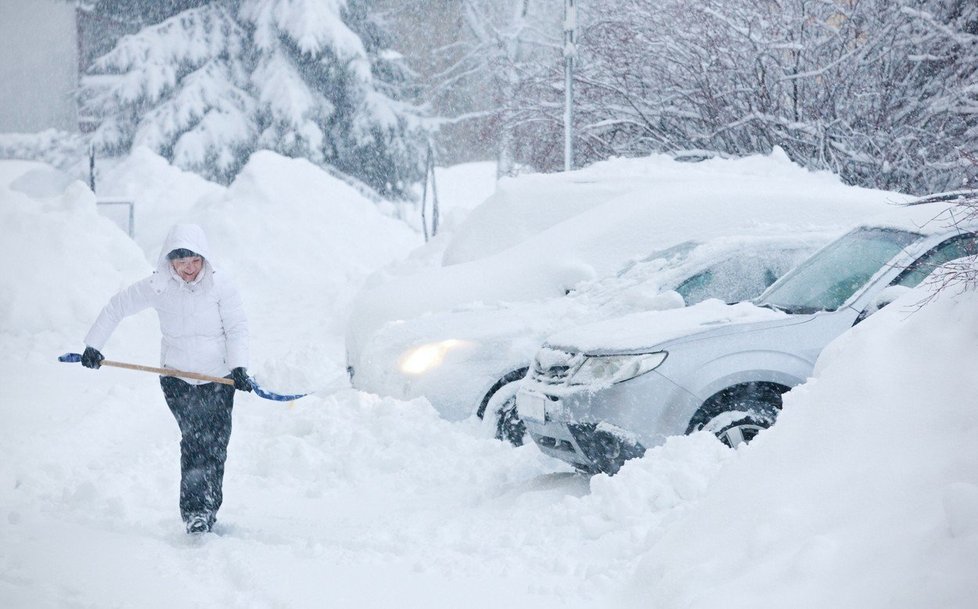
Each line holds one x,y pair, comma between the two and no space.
669,299
888,295
885,297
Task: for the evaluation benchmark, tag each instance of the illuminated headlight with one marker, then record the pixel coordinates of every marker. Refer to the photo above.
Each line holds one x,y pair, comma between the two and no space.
422,359
607,369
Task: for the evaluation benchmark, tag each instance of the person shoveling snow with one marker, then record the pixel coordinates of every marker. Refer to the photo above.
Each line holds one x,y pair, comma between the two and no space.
205,331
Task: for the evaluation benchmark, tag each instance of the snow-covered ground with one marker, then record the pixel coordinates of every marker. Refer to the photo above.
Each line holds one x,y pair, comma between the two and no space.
865,495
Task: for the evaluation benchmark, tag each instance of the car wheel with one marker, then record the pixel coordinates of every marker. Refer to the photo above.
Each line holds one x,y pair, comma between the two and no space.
734,428
498,409
736,416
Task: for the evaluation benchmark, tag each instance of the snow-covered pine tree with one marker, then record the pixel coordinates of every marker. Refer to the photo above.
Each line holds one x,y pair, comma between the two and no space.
180,88
385,140
103,22
212,84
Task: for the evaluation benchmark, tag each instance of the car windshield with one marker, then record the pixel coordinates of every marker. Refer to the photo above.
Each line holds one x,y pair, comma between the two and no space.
827,279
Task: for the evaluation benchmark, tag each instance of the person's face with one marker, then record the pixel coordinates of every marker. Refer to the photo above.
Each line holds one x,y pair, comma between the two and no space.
188,268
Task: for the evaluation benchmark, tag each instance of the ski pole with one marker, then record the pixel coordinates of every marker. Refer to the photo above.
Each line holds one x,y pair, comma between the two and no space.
268,395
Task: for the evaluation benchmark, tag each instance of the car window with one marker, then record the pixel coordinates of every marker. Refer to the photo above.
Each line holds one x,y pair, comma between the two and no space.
832,275
959,246
737,278
693,289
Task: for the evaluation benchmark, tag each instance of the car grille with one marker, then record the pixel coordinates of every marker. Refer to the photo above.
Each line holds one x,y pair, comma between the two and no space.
553,366
555,443
605,448
599,448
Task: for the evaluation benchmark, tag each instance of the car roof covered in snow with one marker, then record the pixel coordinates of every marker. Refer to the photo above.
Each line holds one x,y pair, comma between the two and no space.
933,214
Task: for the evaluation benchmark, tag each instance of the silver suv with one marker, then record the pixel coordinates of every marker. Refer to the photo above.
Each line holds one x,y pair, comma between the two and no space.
598,395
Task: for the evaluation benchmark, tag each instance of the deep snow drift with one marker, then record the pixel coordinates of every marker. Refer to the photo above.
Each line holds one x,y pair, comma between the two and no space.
865,495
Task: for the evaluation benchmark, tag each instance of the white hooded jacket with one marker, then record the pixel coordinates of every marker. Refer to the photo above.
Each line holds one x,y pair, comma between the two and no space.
203,322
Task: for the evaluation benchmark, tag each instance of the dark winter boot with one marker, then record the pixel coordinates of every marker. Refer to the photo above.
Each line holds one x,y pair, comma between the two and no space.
199,523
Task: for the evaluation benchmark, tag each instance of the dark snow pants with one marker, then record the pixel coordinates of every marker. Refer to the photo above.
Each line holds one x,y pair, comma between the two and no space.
203,413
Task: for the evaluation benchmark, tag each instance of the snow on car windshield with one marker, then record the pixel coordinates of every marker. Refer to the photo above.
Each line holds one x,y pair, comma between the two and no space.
831,276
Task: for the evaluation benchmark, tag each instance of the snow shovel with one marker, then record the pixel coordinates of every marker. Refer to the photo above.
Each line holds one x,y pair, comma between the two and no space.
262,393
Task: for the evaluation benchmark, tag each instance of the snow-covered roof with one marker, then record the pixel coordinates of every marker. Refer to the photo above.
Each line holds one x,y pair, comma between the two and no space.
931,215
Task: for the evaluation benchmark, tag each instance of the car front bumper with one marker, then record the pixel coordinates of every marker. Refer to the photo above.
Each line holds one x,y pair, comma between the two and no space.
597,429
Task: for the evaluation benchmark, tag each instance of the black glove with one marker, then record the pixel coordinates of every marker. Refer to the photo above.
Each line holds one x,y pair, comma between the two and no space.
241,380
91,358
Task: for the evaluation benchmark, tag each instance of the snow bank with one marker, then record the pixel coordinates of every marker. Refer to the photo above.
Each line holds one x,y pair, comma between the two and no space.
461,188
466,185
58,252
865,494
161,193
286,221
41,182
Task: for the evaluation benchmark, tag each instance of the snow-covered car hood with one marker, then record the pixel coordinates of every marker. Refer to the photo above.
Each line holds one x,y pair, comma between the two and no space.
640,331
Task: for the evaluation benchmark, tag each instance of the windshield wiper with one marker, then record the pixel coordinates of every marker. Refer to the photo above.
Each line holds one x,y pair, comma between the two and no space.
800,310
792,310
773,307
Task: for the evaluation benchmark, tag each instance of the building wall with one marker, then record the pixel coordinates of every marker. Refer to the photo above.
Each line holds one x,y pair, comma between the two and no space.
38,66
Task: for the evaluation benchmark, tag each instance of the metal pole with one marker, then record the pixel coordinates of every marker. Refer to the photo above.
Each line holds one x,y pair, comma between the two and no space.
91,167
434,194
570,51
424,194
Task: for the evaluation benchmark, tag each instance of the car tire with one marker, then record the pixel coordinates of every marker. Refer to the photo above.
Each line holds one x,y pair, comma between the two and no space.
739,430
737,415
498,409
